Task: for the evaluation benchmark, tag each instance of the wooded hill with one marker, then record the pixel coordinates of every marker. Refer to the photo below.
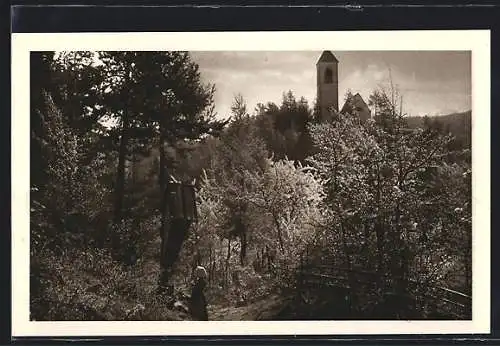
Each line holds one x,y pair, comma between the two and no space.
459,124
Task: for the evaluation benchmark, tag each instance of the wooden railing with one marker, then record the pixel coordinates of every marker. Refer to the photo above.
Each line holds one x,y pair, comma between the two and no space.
448,303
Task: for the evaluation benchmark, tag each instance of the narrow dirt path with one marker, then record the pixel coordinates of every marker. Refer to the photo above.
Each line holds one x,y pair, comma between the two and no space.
261,310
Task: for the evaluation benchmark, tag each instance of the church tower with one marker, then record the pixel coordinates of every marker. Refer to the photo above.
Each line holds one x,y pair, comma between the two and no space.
328,83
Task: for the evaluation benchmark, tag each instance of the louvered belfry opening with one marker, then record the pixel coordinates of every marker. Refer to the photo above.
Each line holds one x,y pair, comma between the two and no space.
328,76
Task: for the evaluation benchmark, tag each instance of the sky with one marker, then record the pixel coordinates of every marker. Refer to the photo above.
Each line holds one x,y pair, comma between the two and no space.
431,82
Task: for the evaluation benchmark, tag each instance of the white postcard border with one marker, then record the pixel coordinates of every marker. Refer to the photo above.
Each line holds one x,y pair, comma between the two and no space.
476,41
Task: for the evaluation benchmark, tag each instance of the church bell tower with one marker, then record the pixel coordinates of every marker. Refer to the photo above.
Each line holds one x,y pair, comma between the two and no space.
328,84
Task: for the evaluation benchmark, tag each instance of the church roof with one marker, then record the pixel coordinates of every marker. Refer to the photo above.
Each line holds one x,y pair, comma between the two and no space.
356,101
327,56
359,99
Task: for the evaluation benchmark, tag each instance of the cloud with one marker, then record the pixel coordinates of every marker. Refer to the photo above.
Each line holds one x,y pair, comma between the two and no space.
251,61
363,80
259,76
429,81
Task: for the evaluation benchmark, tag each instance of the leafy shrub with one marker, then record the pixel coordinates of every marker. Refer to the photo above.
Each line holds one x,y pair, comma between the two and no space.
89,284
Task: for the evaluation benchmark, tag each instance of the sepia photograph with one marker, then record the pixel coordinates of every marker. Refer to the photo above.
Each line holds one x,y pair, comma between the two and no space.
152,201
251,185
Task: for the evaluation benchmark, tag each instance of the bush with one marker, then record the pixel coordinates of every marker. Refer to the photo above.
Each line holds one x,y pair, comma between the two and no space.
88,284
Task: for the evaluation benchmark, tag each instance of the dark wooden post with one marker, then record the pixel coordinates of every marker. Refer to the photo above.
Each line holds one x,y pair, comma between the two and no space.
181,212
300,279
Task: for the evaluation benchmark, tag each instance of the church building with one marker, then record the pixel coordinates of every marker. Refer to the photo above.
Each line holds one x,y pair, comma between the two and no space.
328,90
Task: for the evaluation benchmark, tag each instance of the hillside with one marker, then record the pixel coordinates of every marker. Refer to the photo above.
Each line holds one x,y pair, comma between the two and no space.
459,124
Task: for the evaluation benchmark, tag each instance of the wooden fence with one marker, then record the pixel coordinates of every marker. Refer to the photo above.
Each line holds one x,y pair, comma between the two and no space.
433,301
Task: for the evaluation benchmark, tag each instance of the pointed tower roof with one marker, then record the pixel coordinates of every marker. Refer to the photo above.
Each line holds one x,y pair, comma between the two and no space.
327,56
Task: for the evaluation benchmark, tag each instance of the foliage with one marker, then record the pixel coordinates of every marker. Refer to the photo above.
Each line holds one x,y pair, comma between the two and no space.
67,201
80,84
74,289
389,200
284,127
90,111
271,207
458,124
273,189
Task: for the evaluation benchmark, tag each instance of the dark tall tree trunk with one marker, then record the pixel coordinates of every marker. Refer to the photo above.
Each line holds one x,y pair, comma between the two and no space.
280,236
122,155
243,250
226,272
365,246
162,176
120,174
347,250
135,169
210,265
379,231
